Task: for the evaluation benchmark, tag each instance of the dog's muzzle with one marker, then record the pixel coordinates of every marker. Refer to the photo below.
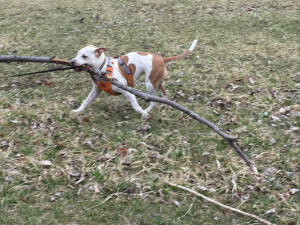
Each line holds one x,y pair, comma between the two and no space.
72,62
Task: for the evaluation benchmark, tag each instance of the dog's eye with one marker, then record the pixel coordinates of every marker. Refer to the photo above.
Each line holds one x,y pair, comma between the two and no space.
84,56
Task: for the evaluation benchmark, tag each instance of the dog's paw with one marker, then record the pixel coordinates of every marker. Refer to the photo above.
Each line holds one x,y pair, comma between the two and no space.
145,115
76,111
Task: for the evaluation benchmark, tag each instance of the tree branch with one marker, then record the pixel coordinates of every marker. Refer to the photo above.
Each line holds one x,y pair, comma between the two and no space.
15,58
231,140
218,203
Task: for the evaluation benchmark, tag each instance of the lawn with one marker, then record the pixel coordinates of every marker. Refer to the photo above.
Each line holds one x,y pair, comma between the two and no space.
107,165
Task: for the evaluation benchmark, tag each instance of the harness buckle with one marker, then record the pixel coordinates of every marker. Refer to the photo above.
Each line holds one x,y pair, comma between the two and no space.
109,71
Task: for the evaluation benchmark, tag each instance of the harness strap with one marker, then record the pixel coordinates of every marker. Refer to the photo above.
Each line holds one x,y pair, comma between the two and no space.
127,73
109,69
124,66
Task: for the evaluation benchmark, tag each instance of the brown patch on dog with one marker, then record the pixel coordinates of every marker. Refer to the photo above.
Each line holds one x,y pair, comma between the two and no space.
161,88
99,51
158,71
132,67
173,58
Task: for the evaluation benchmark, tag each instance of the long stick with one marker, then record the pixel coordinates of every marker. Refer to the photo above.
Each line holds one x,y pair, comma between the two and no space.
16,58
218,203
232,140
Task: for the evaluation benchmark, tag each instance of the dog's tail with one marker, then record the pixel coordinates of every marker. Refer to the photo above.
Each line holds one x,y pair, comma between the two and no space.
186,53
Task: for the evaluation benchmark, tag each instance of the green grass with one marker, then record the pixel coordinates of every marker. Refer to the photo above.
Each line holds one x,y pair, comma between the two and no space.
238,41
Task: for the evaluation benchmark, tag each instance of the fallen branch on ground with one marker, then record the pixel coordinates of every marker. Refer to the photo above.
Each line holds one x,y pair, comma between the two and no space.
231,140
218,203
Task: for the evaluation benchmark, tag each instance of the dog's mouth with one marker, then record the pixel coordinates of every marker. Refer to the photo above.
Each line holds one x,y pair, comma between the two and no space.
78,68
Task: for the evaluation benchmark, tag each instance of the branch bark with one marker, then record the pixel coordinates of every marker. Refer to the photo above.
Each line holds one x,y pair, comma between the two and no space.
15,58
218,203
230,139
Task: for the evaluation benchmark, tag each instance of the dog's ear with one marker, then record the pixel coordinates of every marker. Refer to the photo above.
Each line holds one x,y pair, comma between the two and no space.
99,51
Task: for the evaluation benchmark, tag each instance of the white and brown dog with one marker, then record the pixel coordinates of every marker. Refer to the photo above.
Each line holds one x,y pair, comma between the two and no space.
154,67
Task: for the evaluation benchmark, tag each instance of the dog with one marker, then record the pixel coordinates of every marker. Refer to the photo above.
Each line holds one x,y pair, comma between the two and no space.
153,65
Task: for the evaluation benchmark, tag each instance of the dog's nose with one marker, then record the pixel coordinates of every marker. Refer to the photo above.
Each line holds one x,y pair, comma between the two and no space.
72,62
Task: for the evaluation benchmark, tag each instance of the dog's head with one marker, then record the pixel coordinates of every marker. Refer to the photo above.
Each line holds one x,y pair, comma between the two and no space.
90,56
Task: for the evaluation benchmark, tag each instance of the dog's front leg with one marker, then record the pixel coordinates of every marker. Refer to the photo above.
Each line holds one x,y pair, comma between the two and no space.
91,97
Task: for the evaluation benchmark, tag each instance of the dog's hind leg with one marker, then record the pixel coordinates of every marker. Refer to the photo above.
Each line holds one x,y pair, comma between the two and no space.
162,91
151,91
91,97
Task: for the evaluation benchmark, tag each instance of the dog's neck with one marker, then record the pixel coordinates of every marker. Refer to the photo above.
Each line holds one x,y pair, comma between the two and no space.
101,63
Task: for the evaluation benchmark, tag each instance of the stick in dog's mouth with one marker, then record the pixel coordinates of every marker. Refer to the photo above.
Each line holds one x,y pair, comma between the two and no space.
80,68
77,69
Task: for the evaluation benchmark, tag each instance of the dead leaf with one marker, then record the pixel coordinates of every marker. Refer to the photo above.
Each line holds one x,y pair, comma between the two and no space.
271,211
74,174
284,110
132,151
108,156
25,121
89,143
126,163
203,188
80,180
293,190
15,121
45,163
122,150
177,203
52,198
85,119
234,119
96,188
251,81
145,127
58,194
206,153
272,141
275,118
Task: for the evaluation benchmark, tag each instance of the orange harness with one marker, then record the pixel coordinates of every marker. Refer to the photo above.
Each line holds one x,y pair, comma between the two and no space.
104,83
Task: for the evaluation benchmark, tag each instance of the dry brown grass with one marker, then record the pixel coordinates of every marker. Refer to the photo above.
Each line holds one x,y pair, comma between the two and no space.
244,77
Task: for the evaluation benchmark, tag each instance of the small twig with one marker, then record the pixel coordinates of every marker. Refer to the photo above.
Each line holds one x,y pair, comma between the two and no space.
188,210
80,180
218,203
105,200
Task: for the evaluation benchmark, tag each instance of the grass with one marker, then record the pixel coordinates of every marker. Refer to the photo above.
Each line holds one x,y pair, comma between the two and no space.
242,75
